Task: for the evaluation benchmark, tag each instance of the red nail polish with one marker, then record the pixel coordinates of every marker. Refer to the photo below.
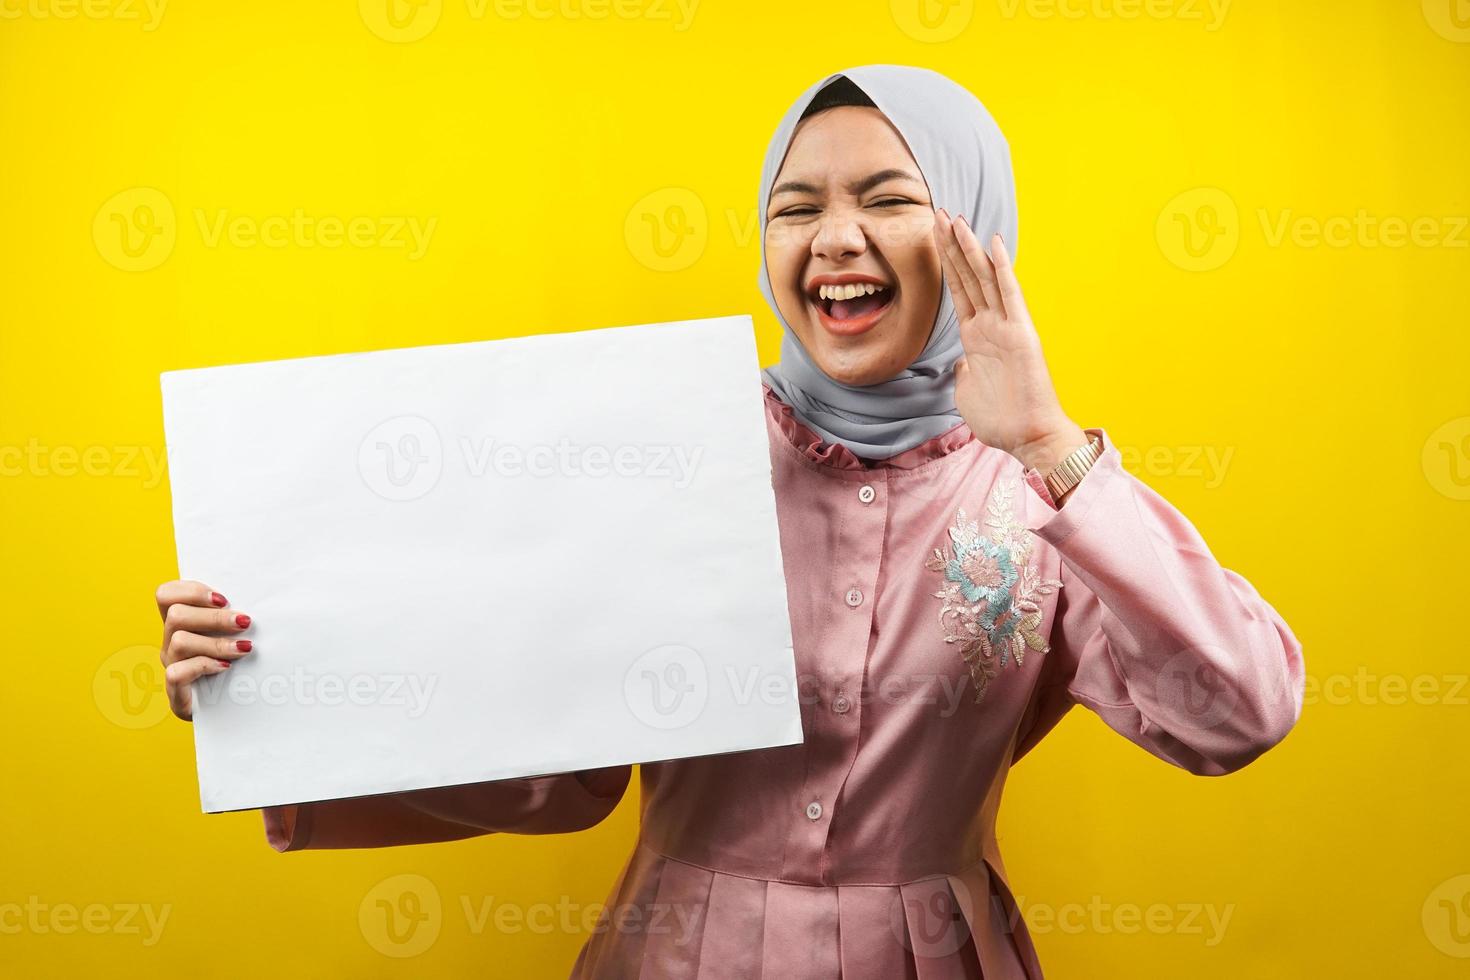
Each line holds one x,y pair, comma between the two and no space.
242,620
218,599
243,646
223,663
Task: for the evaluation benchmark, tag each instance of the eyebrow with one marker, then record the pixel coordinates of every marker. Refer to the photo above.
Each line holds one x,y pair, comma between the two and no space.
857,187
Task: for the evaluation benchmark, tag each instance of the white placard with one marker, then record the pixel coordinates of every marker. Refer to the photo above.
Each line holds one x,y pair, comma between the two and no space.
478,561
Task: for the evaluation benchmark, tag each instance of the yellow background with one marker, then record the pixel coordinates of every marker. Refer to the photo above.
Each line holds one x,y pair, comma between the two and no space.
547,140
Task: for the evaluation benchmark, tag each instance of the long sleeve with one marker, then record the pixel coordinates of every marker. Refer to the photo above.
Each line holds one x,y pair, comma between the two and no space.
535,805
1174,652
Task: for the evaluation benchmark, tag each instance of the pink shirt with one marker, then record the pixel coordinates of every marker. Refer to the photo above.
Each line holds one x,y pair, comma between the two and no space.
945,616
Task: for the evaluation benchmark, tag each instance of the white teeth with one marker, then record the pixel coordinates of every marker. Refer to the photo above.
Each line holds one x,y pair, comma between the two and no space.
849,291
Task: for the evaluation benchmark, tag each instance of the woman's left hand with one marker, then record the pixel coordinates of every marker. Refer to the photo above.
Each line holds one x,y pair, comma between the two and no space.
1002,386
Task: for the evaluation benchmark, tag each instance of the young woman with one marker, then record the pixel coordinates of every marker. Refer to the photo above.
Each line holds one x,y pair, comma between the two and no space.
964,563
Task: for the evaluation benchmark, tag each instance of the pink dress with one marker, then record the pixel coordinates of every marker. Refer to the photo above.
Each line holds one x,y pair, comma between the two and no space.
945,616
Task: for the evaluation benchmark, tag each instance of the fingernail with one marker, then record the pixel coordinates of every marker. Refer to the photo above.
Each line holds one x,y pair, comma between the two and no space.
243,646
223,663
242,620
218,599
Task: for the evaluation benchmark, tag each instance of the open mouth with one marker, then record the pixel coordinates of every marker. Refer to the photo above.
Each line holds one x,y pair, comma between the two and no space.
850,304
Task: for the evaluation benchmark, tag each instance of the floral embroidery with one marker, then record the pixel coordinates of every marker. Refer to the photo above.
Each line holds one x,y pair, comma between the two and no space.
991,591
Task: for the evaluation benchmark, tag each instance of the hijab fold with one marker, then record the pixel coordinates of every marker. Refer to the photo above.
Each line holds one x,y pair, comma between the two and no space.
967,164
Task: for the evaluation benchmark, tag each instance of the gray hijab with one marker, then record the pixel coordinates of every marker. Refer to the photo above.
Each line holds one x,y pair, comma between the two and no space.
967,164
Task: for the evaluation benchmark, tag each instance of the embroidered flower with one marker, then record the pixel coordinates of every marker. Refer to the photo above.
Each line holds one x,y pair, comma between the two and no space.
991,593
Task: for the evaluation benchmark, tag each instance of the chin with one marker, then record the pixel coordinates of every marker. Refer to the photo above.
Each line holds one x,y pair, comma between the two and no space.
860,371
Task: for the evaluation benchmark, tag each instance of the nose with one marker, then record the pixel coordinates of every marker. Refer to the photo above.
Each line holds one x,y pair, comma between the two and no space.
839,237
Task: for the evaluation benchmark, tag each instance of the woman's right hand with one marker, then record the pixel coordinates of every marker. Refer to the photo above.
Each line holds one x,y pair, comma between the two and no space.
200,637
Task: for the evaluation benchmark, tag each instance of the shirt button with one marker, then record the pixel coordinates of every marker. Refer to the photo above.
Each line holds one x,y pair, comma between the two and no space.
840,704
866,494
814,810
854,597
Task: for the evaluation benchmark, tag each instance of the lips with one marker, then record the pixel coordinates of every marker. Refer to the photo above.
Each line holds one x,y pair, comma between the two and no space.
850,303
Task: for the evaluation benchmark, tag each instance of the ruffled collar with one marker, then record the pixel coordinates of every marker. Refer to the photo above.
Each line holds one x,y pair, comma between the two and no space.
811,447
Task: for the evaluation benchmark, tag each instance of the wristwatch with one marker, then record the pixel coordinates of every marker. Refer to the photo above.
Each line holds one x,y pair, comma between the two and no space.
1070,471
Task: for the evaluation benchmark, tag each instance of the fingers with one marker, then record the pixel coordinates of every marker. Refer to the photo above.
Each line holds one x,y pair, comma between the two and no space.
180,678
187,593
186,672
1005,274
985,269
184,645
190,610
962,303
197,620
964,279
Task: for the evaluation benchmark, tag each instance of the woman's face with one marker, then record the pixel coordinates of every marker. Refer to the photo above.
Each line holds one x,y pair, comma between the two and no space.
850,246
